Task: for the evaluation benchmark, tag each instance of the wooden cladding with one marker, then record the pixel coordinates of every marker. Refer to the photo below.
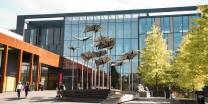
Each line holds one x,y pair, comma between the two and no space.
46,57
4,69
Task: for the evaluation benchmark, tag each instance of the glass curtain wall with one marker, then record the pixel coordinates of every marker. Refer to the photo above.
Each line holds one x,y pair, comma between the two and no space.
123,28
129,32
172,27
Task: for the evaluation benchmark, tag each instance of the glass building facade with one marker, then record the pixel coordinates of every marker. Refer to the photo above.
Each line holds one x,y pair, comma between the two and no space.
129,31
129,28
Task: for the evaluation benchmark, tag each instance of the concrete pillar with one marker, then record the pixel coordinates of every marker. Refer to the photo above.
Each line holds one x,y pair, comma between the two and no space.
4,69
19,66
31,69
103,79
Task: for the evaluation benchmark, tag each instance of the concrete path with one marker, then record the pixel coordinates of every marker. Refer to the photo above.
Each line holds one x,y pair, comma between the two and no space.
151,100
41,97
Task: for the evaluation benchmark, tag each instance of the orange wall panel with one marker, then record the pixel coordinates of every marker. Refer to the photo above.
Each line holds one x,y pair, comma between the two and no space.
46,57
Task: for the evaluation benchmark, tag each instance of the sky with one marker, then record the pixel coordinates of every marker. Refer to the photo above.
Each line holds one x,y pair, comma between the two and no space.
9,9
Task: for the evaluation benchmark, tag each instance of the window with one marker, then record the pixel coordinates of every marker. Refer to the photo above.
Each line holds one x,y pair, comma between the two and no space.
112,29
46,37
134,44
185,23
177,24
68,30
149,24
74,31
142,26
134,29
177,40
165,37
33,36
145,25
119,30
165,24
142,41
127,29
128,45
119,46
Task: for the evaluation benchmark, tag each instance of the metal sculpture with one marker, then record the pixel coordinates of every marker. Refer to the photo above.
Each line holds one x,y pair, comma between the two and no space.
82,39
102,60
104,42
128,56
99,53
92,28
86,56
73,48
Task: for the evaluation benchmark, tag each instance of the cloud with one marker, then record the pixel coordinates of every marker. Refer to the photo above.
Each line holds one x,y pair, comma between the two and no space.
31,5
25,7
7,19
60,6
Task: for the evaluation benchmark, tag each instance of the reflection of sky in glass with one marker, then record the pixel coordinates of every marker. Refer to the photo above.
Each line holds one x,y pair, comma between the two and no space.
128,31
172,28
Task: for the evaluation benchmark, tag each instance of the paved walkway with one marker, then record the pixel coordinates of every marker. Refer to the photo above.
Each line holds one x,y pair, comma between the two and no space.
41,97
151,100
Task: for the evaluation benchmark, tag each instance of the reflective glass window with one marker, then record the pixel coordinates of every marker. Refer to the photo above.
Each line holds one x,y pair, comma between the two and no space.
97,19
75,20
119,18
165,37
134,29
119,46
142,41
104,19
68,20
112,29
66,49
74,43
177,40
149,24
127,45
105,28
112,18
177,24
81,30
74,31
127,29
142,26
67,32
47,33
119,30
165,24
185,23
127,18
134,44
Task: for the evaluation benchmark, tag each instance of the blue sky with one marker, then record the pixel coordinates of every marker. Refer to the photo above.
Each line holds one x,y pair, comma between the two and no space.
9,9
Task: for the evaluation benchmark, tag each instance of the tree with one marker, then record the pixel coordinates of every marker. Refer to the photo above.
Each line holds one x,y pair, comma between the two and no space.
191,64
155,59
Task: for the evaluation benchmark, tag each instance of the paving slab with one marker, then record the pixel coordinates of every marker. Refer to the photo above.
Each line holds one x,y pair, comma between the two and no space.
41,97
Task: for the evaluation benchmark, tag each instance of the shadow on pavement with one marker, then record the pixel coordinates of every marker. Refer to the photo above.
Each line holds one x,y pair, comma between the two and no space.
84,100
14,98
41,99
